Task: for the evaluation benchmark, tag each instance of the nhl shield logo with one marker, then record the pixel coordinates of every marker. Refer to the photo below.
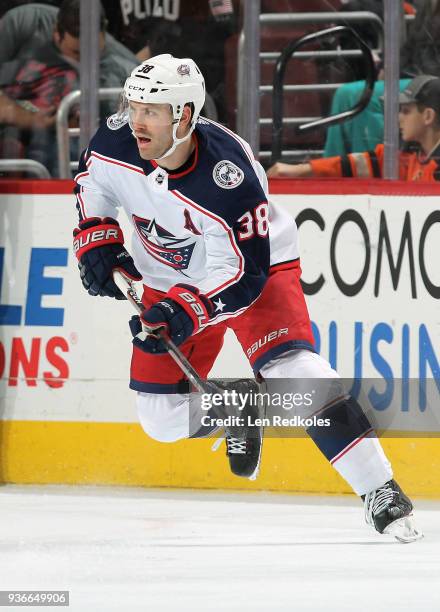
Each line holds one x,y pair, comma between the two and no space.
227,175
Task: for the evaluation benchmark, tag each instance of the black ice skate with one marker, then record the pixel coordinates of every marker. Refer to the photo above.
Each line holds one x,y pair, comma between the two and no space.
244,438
389,511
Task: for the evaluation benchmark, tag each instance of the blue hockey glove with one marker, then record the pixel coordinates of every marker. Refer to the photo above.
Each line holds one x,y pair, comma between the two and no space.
99,246
181,313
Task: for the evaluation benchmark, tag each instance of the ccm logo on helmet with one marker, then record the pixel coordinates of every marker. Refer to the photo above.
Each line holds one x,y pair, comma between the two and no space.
95,236
195,306
136,88
270,337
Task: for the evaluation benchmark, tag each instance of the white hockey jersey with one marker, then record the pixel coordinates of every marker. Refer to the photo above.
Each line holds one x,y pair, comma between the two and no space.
208,224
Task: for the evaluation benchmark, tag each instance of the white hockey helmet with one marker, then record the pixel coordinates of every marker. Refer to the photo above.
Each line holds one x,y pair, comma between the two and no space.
165,79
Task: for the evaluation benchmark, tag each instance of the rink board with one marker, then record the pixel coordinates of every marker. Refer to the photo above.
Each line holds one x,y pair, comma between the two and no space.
66,413
121,454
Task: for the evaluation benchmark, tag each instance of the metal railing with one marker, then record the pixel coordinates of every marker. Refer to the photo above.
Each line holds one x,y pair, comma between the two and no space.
287,54
248,113
64,133
29,166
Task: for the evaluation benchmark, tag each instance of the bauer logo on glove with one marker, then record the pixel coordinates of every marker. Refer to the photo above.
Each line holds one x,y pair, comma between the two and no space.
99,246
198,309
182,313
86,240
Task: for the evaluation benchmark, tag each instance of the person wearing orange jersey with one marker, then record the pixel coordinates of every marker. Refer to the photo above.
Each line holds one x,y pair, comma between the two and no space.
419,121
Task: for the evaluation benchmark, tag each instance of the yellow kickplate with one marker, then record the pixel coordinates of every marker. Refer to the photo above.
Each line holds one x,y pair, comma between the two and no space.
121,454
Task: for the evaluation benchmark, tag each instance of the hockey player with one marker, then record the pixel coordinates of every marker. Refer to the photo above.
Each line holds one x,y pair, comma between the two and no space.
212,253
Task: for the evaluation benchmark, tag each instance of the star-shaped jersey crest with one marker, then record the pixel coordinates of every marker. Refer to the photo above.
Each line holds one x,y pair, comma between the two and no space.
219,305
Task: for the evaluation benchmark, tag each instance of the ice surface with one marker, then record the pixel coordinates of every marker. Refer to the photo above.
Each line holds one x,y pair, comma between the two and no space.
166,550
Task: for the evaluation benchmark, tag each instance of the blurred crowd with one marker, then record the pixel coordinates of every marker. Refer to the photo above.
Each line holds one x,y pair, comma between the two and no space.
39,66
39,59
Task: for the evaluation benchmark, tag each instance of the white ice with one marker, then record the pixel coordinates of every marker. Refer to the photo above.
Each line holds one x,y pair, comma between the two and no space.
166,550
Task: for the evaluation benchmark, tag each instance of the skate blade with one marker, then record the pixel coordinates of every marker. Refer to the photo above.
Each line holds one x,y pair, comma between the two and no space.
262,388
255,473
404,530
217,444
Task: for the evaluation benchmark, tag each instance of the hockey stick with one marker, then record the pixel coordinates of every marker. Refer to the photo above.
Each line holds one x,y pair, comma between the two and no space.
127,287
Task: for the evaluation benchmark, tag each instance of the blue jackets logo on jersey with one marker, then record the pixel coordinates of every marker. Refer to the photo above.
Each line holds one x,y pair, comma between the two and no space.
162,245
183,70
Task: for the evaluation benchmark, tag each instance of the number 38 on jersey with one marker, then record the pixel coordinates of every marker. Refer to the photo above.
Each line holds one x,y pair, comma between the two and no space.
254,223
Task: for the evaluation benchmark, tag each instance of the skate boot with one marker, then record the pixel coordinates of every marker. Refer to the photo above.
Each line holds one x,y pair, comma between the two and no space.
243,437
389,511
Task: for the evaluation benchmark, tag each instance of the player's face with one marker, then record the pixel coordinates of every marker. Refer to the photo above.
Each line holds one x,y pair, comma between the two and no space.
153,128
411,122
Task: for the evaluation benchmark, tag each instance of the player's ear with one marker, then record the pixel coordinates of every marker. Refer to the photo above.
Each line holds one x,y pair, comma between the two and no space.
429,116
185,120
188,112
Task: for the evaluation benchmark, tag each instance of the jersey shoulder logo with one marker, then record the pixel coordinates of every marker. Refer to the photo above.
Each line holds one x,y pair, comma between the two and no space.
227,175
116,121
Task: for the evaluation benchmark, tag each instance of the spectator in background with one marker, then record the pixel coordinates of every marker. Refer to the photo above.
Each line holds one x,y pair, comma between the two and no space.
135,24
419,119
42,69
7,5
184,28
26,28
365,130
367,30
14,113
421,52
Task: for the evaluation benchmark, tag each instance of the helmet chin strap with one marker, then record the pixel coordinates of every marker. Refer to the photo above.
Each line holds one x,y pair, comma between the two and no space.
176,141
